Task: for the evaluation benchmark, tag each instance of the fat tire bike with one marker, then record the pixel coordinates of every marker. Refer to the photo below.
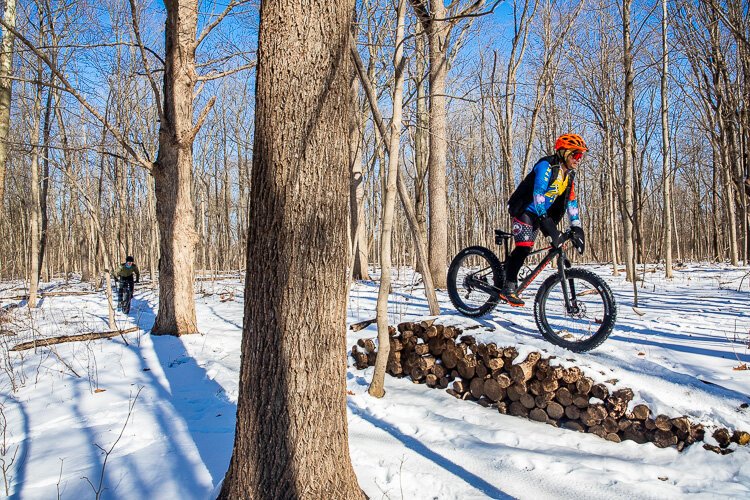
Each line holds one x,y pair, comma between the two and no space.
124,295
573,308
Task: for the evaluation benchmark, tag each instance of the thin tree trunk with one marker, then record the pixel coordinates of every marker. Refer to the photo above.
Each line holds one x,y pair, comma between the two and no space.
437,163
421,241
421,139
356,195
627,154
34,209
389,206
666,156
611,201
6,89
46,129
291,438
153,240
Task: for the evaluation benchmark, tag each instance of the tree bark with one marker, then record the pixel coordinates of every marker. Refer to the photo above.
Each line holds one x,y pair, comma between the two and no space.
291,437
173,175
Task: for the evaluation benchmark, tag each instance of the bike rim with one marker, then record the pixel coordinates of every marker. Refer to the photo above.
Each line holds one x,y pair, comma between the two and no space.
588,315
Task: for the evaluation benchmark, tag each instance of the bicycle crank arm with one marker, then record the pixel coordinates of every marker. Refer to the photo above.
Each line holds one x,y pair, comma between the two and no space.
493,291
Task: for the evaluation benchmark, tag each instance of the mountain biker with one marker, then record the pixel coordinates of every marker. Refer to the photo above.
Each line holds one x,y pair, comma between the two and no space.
124,275
539,202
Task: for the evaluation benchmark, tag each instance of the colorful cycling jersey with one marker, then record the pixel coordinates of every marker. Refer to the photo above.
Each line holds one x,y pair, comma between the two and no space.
546,192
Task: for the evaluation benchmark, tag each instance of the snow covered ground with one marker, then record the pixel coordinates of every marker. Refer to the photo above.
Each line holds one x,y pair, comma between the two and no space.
153,417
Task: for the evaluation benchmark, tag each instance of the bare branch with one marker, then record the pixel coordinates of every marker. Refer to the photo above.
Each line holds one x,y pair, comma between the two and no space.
202,118
33,344
370,92
471,11
215,22
36,82
100,45
154,86
221,74
739,35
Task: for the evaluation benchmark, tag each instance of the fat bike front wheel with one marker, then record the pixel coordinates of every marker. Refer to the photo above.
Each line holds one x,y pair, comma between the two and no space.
582,322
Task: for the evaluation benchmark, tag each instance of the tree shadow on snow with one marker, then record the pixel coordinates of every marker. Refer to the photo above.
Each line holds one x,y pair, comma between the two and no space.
207,413
11,407
443,462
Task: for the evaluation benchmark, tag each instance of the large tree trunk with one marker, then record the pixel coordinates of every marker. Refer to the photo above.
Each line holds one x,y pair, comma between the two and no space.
173,175
437,163
6,63
291,437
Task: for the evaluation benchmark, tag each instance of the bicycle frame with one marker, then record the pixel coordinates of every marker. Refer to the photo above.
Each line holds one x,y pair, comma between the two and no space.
569,293
562,264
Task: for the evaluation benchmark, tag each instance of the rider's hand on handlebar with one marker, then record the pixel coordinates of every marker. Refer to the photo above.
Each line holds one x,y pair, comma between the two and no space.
578,238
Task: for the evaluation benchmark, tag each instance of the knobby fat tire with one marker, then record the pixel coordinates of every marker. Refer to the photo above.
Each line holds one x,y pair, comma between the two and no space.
604,330
453,287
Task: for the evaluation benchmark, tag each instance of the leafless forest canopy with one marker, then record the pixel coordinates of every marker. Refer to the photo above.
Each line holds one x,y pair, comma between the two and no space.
87,97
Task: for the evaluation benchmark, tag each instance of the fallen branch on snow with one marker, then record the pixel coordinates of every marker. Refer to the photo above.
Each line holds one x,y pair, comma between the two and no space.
71,338
49,294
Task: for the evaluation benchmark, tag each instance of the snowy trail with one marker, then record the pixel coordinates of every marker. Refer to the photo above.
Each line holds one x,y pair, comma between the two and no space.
678,357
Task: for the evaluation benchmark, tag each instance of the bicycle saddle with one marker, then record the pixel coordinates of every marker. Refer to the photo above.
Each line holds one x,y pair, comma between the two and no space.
501,235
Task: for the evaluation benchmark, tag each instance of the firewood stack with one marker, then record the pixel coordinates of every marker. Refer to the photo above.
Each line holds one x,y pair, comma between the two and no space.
534,388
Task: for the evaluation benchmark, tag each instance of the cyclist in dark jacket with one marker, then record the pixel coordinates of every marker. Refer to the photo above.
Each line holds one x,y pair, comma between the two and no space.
539,202
126,275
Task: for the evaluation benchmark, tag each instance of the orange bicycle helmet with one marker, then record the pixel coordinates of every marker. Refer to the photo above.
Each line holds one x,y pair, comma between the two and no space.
573,142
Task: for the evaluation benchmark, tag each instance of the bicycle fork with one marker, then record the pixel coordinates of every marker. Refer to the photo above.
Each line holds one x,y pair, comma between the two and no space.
568,286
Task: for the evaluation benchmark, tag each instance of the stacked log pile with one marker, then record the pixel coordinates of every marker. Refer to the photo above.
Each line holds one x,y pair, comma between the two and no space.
535,387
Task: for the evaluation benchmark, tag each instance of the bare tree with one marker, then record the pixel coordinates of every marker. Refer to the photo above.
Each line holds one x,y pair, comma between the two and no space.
629,145
666,157
291,438
389,205
358,234
35,202
173,170
418,237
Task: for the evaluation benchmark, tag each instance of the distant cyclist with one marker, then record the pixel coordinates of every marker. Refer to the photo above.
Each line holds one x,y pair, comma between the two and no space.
540,202
126,275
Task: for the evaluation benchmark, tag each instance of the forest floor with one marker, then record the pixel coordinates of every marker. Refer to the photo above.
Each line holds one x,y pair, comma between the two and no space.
137,416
